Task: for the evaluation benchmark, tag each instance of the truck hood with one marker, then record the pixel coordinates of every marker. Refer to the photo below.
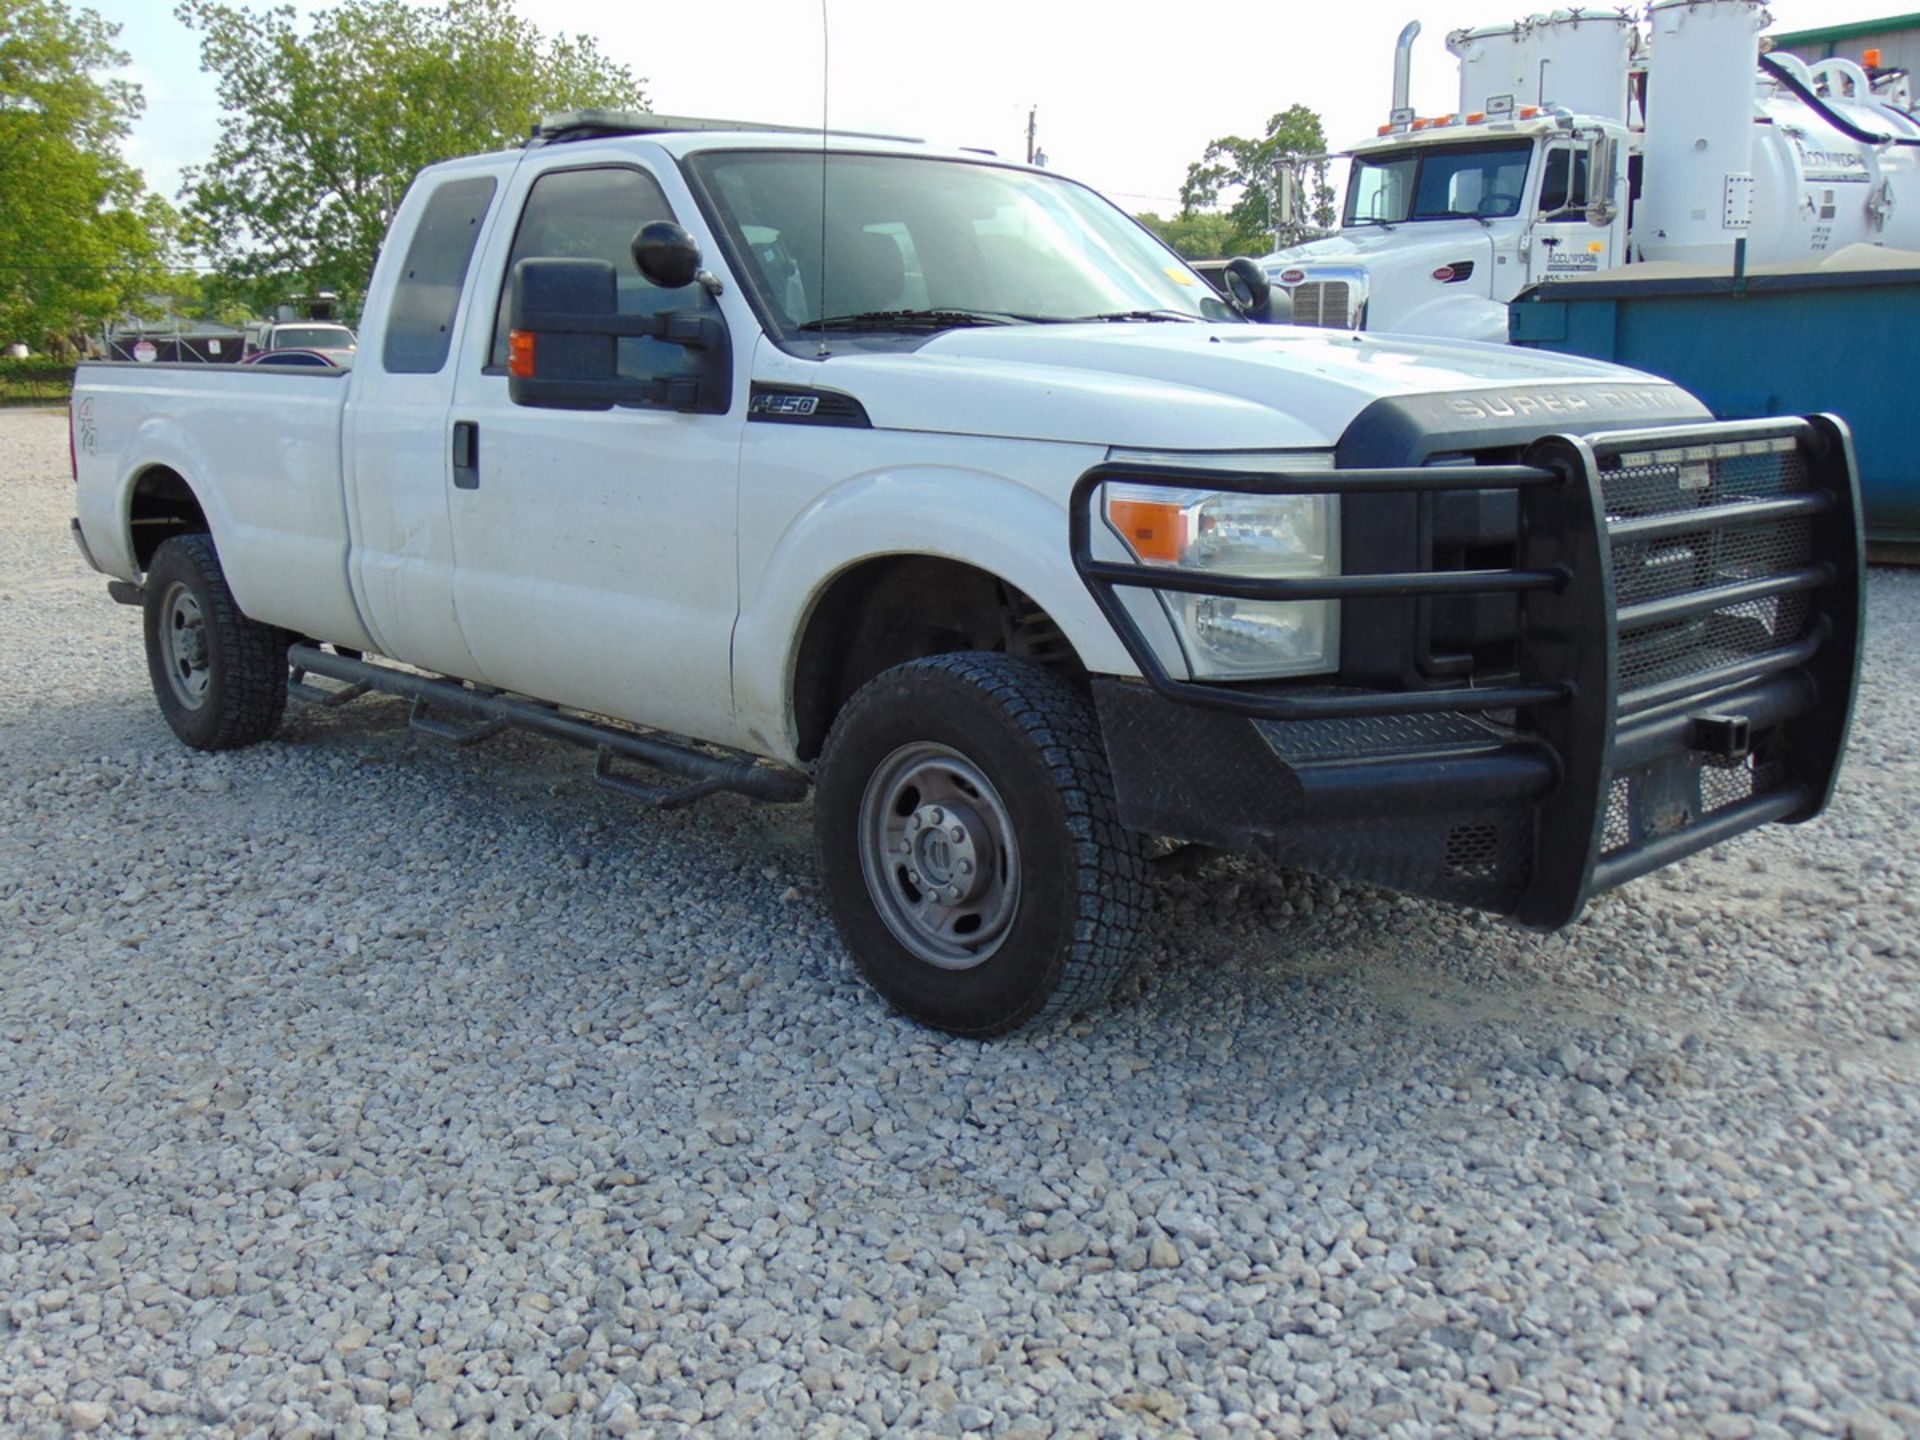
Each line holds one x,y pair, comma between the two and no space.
1171,386
1365,243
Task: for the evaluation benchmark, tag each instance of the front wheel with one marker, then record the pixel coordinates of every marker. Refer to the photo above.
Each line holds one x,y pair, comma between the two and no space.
220,678
972,856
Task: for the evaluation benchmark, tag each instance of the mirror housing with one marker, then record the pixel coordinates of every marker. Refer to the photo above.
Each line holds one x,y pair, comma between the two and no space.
1603,165
1248,288
564,344
666,254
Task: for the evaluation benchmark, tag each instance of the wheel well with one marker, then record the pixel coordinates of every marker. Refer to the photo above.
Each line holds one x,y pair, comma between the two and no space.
163,506
884,612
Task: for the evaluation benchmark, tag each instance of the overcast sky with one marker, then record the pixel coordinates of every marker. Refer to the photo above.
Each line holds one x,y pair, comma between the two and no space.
1128,94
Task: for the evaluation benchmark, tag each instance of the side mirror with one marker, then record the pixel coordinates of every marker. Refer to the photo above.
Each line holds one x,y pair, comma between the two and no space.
1248,288
666,254
564,344
1603,161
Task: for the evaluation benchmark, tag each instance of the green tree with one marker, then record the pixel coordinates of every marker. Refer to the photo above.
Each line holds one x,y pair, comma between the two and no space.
323,131
1292,151
1198,234
81,240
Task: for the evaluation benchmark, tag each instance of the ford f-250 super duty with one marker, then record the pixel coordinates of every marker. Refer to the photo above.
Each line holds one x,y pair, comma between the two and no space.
754,459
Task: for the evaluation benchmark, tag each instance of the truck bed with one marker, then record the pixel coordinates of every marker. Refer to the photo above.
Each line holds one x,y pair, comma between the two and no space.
263,445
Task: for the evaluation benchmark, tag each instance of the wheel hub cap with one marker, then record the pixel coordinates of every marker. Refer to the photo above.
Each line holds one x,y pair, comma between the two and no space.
939,855
184,646
945,851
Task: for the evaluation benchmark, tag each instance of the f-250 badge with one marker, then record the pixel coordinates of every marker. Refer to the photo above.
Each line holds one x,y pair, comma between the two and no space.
795,407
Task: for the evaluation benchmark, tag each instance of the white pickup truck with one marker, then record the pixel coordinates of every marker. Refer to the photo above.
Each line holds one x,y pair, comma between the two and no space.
758,461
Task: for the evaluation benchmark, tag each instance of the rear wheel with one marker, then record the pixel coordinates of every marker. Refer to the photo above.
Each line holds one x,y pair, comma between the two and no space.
968,838
220,678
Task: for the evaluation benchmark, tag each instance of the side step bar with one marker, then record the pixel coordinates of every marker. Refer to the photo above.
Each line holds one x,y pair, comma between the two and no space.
490,712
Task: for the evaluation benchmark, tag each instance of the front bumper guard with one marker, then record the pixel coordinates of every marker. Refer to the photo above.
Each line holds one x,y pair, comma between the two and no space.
1690,604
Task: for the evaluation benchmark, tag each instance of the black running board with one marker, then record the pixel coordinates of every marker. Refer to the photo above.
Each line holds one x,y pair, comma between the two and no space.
465,715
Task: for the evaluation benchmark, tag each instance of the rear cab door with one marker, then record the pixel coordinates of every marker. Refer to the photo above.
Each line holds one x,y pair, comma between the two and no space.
594,551
397,449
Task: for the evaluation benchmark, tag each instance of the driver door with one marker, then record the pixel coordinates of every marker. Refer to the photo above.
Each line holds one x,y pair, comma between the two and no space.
594,551
1563,243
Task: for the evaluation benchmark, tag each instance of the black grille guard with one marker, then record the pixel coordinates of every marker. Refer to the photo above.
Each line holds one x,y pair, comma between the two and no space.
1691,617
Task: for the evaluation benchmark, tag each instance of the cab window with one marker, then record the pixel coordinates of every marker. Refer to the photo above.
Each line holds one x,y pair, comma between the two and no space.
593,214
1563,184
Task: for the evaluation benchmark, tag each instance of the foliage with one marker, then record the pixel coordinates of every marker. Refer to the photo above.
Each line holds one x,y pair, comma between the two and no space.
1201,235
324,131
1294,144
193,296
80,238
34,380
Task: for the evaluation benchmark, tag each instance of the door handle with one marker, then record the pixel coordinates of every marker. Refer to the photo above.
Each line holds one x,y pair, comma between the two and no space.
466,455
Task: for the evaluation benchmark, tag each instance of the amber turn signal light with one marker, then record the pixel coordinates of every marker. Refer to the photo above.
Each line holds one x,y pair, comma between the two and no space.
520,354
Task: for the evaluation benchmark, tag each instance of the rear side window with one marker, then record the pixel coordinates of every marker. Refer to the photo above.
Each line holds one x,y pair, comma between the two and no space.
594,214
420,323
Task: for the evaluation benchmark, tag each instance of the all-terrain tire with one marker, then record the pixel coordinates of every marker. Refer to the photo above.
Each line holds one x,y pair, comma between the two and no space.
1017,752
220,678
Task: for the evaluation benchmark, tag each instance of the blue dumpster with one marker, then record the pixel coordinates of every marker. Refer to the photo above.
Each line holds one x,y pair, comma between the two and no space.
1840,336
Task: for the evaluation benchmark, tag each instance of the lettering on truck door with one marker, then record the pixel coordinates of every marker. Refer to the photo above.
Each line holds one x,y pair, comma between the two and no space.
595,550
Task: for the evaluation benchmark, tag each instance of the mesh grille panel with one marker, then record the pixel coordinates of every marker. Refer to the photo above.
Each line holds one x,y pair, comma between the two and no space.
1723,785
1321,302
1619,828
1679,482
1658,489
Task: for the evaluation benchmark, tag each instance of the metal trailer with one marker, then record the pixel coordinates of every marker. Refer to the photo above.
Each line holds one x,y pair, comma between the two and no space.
1779,340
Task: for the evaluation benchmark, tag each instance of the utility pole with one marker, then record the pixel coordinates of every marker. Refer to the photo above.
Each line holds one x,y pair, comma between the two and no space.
1033,124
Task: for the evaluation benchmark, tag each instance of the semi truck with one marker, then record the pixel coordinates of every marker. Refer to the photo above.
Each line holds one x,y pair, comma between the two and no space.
934,485
1587,140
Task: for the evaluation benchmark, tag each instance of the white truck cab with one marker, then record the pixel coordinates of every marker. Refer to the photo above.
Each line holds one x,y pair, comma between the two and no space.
762,461
1585,141
1438,233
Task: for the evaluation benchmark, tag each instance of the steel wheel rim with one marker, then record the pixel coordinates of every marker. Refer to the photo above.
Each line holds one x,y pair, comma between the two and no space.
183,645
937,851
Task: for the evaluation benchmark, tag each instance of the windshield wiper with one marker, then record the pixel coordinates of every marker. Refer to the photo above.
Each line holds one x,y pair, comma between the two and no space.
911,320
1141,315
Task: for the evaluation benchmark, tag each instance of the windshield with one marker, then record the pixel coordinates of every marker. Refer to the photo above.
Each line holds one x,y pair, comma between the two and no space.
1441,182
968,243
312,337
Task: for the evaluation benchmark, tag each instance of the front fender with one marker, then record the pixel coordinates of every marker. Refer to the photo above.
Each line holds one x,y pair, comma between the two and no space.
991,522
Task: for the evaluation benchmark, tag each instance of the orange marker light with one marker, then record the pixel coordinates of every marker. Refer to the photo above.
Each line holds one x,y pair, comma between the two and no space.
1871,58
1151,528
520,354
1476,117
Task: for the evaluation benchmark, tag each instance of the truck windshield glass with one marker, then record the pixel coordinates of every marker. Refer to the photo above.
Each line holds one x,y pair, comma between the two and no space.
960,243
1438,183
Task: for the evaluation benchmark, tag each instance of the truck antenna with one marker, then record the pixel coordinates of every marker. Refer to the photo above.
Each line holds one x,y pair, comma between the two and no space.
823,351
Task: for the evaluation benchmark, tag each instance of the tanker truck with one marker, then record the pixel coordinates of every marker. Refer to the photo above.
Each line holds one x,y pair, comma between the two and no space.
1585,141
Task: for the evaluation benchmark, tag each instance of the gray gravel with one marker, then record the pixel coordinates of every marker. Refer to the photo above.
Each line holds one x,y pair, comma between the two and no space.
352,1085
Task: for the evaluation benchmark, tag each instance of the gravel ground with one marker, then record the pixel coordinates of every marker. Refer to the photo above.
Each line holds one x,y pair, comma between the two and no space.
353,1085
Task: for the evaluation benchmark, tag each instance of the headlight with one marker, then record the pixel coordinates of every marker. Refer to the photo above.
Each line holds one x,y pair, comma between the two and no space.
1267,537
